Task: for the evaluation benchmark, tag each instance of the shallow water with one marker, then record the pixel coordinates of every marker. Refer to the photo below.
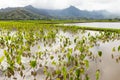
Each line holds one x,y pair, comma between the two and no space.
109,68
98,24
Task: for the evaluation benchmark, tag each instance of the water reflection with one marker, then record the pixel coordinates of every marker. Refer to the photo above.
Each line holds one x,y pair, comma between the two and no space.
98,24
109,68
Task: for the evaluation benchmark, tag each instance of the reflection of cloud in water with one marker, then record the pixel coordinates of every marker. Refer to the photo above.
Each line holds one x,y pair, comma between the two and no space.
110,70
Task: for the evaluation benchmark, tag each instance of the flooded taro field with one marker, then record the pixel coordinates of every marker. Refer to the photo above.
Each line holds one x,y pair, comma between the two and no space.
48,52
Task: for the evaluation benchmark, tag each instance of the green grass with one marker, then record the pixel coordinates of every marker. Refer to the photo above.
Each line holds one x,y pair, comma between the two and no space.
90,28
37,23
62,21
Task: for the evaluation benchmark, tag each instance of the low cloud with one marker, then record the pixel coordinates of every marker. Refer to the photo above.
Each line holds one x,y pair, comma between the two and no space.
110,5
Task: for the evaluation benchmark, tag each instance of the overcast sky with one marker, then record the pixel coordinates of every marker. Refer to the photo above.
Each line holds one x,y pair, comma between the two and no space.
110,5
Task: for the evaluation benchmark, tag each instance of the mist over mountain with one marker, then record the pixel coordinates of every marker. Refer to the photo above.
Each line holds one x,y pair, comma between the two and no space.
30,12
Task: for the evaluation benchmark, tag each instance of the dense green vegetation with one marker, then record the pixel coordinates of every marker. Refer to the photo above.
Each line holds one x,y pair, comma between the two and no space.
61,52
18,14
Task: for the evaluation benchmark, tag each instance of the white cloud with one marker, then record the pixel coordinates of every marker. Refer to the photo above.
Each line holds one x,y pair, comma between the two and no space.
14,3
51,4
110,5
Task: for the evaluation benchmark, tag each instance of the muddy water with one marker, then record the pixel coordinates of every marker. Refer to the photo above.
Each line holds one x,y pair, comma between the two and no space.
109,68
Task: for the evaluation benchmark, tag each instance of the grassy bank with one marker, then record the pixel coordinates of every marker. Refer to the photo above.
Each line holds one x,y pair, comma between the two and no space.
61,21
91,28
48,24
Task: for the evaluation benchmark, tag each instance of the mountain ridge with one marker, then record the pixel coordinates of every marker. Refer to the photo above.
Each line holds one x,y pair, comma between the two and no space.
30,12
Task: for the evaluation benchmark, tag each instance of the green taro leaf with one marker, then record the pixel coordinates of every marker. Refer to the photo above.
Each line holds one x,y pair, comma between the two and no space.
87,77
113,49
100,53
81,49
1,59
97,74
86,63
82,56
64,71
82,70
19,59
33,63
118,48
51,57
77,72
58,79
